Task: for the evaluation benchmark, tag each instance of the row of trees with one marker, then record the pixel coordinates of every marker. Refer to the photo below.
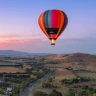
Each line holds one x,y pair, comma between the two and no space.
53,93
76,80
48,85
4,84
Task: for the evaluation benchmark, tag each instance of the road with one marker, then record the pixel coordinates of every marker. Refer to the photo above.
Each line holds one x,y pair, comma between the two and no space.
31,85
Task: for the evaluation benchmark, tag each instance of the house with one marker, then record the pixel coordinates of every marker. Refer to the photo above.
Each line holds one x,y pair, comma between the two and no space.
75,69
9,89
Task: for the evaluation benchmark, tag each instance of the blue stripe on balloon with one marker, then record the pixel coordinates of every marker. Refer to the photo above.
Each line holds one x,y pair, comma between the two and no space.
46,19
49,19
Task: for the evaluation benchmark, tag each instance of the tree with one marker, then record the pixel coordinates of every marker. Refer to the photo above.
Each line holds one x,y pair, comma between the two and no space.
16,91
50,79
82,93
39,93
90,93
71,92
55,93
86,86
94,94
46,85
90,89
94,90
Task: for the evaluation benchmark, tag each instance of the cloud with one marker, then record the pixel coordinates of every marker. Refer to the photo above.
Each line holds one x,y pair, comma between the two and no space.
39,45
20,44
20,41
17,37
9,35
42,44
76,39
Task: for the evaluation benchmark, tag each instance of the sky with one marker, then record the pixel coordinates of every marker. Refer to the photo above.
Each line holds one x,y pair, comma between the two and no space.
19,29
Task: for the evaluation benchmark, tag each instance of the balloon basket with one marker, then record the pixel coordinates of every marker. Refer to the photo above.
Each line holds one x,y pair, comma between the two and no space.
52,43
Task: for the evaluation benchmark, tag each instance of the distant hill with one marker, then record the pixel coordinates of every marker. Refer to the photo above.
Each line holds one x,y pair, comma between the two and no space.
76,60
73,57
20,53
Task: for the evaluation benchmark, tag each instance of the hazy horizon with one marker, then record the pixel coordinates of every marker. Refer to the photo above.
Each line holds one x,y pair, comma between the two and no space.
14,51
19,29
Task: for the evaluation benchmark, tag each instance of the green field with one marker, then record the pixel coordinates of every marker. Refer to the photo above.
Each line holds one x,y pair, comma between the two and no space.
78,66
86,74
65,77
4,63
30,93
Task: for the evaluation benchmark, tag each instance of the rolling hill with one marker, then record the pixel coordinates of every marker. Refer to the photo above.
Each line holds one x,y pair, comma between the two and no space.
75,60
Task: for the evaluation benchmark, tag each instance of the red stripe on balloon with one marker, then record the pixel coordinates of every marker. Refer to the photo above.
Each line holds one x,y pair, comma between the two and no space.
53,35
54,18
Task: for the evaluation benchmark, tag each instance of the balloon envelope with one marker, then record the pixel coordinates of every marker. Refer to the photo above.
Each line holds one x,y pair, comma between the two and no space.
53,22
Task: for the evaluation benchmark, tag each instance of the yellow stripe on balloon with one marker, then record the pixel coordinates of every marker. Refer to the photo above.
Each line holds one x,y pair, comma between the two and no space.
41,23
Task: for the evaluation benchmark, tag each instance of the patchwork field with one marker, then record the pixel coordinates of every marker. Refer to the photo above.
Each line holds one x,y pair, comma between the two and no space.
2,95
62,74
49,90
10,69
86,74
57,76
90,67
59,65
6,63
27,66
75,60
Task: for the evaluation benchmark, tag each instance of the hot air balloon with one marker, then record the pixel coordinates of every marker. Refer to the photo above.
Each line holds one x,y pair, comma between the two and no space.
52,23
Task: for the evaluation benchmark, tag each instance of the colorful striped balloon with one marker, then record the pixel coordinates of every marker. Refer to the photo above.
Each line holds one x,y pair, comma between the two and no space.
53,22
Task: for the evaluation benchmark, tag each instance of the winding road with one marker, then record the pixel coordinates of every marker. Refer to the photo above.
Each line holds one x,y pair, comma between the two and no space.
31,85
